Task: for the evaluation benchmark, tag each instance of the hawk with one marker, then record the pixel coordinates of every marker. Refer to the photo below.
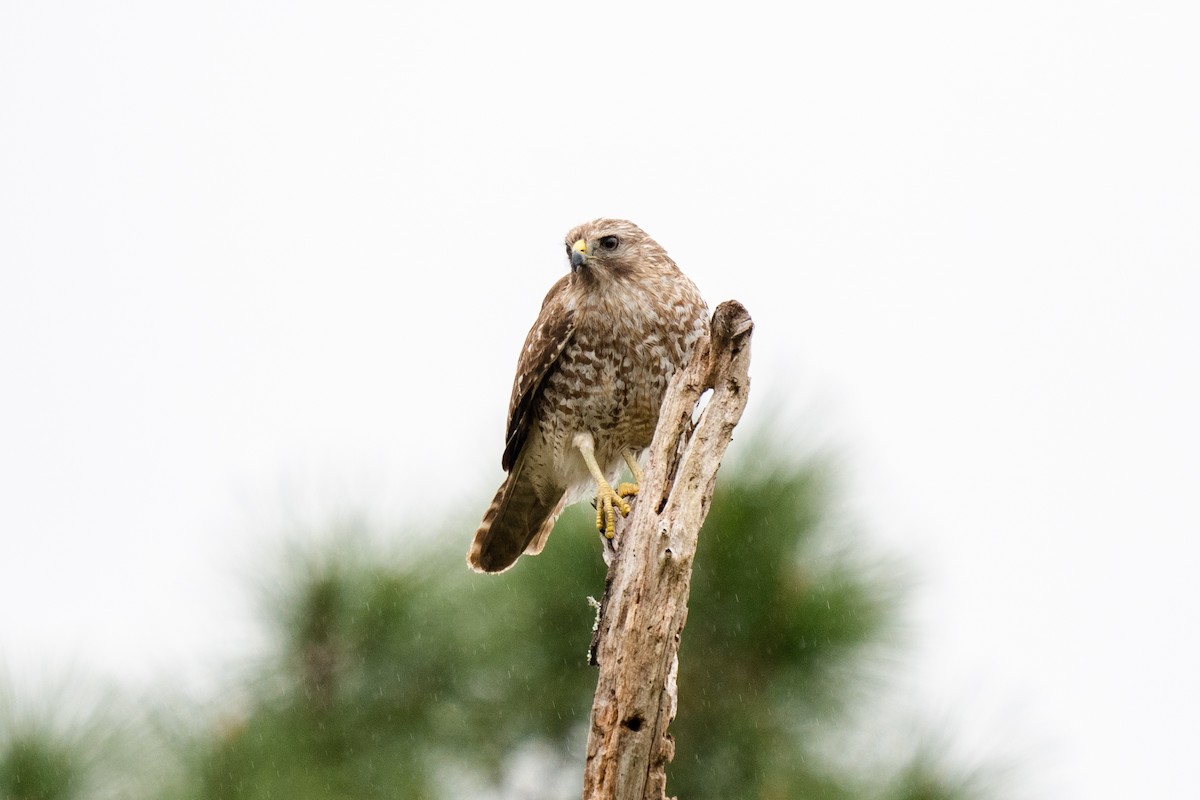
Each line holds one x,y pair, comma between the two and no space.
589,384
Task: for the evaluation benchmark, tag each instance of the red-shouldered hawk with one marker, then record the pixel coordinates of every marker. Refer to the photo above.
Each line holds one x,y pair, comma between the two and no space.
589,384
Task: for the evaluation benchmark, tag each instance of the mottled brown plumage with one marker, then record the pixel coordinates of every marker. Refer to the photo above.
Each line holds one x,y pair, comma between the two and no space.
589,384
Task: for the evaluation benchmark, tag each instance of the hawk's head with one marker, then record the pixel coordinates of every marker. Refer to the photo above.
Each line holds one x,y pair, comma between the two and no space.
613,248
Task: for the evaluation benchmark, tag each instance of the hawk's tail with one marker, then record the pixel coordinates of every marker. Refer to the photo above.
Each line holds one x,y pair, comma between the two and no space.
518,521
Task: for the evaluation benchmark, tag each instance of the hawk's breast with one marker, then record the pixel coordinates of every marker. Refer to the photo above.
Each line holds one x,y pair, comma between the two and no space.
611,378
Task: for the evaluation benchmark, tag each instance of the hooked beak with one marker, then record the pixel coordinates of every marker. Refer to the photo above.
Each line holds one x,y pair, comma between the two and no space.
579,255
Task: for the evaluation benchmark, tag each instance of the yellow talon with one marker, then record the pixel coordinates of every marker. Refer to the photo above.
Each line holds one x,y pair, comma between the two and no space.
608,500
630,489
608,503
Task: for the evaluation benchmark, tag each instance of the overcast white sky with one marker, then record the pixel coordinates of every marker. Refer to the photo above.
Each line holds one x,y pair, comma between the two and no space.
259,254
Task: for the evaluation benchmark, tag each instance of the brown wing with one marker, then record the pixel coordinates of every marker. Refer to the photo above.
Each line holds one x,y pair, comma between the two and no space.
547,338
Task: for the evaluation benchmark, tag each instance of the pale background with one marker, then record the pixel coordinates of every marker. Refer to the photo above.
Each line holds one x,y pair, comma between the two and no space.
262,262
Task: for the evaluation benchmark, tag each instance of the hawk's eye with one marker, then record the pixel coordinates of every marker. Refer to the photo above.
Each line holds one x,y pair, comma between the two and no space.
609,242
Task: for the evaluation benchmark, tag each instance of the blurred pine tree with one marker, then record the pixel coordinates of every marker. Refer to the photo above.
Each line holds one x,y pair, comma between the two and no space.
38,765
423,680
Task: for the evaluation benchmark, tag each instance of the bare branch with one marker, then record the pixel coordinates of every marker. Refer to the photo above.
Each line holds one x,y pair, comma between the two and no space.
649,577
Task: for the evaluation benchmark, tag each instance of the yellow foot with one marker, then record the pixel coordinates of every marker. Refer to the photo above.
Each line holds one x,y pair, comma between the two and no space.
608,503
630,489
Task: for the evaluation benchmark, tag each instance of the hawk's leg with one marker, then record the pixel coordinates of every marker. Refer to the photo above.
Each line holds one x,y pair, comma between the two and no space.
630,489
608,500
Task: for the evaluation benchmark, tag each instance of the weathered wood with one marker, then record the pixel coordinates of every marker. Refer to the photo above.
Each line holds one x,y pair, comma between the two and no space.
649,576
